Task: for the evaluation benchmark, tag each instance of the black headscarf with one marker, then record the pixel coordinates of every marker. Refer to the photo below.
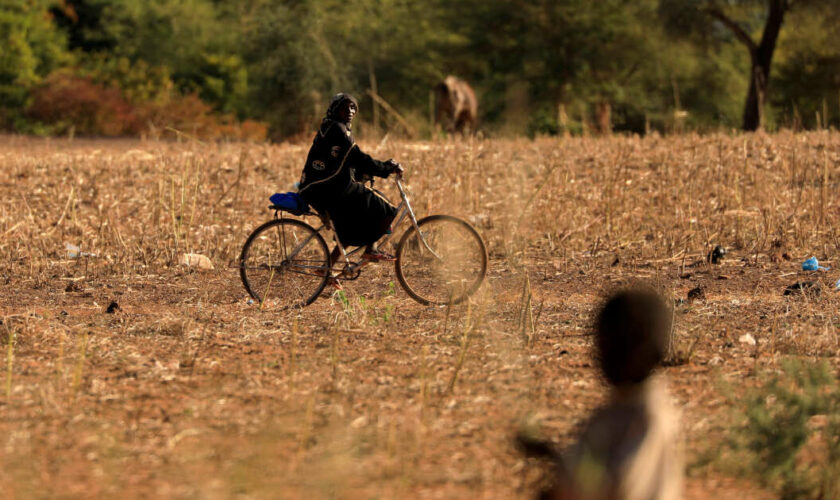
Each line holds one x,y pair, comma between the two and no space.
336,103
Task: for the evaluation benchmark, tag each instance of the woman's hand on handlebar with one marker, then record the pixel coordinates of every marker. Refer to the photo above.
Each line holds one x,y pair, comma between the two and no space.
396,168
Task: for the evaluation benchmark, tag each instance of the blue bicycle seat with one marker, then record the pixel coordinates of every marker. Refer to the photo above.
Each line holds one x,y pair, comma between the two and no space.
290,202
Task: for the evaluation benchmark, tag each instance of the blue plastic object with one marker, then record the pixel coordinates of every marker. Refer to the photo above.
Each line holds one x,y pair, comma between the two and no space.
290,202
813,265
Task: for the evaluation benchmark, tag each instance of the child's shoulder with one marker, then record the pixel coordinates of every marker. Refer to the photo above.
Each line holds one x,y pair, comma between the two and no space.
634,412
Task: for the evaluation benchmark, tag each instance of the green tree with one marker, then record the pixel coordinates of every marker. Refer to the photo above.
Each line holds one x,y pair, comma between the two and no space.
289,65
568,53
195,42
807,76
299,53
743,19
82,21
31,49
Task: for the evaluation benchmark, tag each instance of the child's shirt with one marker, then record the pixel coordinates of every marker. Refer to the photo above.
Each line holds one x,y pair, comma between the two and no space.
629,449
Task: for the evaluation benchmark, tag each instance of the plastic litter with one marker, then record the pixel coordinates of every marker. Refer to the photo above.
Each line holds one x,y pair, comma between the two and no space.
75,252
813,264
837,285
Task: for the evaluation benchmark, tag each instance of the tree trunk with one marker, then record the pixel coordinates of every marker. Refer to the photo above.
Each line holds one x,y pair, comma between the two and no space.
562,120
762,58
603,117
754,106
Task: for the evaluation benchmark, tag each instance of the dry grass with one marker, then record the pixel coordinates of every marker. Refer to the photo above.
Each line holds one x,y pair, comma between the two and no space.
188,391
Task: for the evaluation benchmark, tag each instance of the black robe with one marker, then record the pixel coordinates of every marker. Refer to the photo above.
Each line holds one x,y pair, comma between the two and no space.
359,214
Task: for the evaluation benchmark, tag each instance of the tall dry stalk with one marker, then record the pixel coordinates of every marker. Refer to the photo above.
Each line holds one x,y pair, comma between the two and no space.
80,365
305,433
193,209
334,352
527,324
10,354
743,195
267,288
292,355
172,215
824,188
466,338
424,381
59,367
448,312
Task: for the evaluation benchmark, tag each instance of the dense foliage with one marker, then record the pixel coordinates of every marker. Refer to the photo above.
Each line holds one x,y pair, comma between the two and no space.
791,436
541,66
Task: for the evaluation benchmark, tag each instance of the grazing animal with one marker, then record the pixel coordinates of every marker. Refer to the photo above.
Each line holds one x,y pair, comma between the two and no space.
456,106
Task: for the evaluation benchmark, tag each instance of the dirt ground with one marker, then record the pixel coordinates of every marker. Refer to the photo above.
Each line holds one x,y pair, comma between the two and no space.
185,389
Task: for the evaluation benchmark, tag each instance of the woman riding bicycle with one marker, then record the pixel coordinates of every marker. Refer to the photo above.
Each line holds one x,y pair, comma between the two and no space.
286,263
332,182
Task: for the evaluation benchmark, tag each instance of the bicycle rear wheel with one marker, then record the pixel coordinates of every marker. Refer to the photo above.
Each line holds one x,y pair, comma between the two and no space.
444,266
284,263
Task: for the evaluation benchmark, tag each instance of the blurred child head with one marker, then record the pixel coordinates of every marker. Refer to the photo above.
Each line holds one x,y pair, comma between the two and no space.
632,331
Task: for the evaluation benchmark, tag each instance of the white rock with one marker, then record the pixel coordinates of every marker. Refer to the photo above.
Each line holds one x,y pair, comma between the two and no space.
747,339
359,422
196,260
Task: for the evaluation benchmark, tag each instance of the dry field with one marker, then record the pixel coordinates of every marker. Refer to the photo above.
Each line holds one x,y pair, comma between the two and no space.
187,391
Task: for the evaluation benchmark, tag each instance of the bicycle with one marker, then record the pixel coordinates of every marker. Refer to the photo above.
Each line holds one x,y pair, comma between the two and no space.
440,259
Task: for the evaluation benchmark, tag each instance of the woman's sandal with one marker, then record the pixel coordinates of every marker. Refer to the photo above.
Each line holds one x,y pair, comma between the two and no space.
378,256
331,281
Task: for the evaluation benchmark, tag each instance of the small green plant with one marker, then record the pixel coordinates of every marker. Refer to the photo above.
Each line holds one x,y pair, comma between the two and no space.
392,289
791,436
341,297
389,313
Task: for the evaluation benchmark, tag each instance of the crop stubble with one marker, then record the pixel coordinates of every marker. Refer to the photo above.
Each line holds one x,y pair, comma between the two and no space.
186,390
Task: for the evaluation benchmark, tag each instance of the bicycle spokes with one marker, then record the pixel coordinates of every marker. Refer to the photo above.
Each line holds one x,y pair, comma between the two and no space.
284,261
442,262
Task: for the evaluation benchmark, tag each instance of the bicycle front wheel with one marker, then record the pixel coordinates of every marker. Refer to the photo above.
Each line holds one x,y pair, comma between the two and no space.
284,263
444,263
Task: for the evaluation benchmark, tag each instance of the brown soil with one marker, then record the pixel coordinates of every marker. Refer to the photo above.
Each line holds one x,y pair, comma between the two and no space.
187,390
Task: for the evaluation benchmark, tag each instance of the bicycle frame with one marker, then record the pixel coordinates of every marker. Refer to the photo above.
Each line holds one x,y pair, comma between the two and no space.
403,209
